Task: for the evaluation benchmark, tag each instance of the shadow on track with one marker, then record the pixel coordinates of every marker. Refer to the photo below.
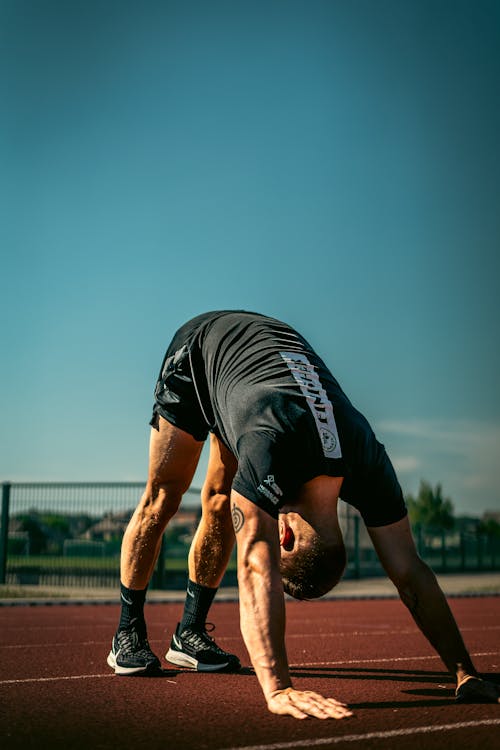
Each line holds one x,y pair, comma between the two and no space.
353,673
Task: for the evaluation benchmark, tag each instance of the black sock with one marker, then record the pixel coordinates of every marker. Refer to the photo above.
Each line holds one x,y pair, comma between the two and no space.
132,601
198,601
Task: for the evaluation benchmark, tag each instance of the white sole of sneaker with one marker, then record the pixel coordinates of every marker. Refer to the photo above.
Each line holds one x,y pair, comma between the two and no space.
123,670
184,660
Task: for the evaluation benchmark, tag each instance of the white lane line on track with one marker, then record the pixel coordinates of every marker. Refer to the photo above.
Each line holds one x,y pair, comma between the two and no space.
68,677
369,736
71,644
290,636
408,631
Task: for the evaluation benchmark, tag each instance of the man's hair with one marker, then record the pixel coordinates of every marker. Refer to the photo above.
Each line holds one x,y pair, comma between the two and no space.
314,570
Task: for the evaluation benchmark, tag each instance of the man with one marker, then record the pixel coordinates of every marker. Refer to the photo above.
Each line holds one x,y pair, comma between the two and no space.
286,443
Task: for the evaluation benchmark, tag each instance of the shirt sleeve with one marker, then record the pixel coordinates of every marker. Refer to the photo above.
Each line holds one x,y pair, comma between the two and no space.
375,490
262,475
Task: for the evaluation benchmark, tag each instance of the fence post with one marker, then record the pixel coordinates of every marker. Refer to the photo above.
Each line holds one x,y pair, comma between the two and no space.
443,549
463,551
479,543
159,574
4,533
357,566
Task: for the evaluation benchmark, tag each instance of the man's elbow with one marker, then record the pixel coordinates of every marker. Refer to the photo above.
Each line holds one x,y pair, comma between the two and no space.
251,567
258,569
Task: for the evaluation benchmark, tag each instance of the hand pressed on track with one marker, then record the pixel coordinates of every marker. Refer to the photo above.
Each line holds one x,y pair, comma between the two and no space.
476,690
303,704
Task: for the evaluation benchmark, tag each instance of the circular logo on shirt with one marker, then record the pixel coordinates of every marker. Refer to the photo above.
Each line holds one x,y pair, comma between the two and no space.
328,440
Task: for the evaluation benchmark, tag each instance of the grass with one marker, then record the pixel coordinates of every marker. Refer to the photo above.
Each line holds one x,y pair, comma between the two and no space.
56,563
55,576
28,592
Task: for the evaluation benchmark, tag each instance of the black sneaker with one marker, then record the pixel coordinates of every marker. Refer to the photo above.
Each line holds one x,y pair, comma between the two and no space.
130,652
197,650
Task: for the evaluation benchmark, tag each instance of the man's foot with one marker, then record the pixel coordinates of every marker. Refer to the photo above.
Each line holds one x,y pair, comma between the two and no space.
197,650
130,652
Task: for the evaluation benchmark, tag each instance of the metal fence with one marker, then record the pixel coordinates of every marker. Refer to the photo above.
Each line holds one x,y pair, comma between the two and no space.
69,534
466,549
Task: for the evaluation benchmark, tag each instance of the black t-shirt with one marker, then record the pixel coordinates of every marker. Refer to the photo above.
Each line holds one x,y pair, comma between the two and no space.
263,390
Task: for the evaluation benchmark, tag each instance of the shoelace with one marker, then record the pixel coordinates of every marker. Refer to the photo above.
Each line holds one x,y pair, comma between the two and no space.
202,640
131,642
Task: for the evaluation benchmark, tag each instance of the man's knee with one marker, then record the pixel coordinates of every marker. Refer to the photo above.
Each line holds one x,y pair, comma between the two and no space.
216,501
159,503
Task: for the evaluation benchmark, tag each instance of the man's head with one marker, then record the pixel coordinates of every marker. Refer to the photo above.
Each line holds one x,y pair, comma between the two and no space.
313,555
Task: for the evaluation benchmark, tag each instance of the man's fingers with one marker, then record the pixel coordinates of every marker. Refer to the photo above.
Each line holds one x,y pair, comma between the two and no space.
327,707
302,704
283,707
331,703
292,710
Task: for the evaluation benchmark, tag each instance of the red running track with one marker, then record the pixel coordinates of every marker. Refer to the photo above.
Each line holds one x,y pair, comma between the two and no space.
56,690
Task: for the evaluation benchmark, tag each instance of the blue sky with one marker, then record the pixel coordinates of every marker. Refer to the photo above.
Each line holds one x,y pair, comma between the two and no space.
334,164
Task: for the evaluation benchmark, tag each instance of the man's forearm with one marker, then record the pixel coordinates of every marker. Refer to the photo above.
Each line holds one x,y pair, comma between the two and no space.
262,615
429,608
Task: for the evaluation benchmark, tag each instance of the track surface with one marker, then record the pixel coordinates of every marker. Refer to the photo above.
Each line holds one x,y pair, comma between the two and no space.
56,690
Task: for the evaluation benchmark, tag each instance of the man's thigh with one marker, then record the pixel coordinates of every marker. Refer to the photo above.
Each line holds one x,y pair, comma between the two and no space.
173,456
222,466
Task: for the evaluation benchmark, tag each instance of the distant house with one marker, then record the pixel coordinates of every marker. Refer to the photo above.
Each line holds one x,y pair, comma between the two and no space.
112,525
18,538
16,525
108,529
491,515
182,527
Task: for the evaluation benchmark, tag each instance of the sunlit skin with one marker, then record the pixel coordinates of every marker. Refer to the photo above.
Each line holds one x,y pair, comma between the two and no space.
261,540
316,507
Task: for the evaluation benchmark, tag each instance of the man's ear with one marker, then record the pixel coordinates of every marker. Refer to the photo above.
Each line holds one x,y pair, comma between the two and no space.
287,537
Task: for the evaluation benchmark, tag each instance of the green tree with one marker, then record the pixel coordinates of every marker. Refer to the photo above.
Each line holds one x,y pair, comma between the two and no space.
56,529
490,527
430,509
36,535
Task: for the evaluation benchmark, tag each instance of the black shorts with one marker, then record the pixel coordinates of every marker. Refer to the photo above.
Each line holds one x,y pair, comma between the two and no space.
274,435
176,397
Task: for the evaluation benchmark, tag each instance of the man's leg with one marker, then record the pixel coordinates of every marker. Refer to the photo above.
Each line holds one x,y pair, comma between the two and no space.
173,458
214,539
208,558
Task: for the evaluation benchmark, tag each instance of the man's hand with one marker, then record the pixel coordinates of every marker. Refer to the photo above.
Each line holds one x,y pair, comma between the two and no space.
302,704
476,690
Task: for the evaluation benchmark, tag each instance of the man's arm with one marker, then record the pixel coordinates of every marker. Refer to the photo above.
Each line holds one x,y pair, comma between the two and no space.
421,593
262,615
